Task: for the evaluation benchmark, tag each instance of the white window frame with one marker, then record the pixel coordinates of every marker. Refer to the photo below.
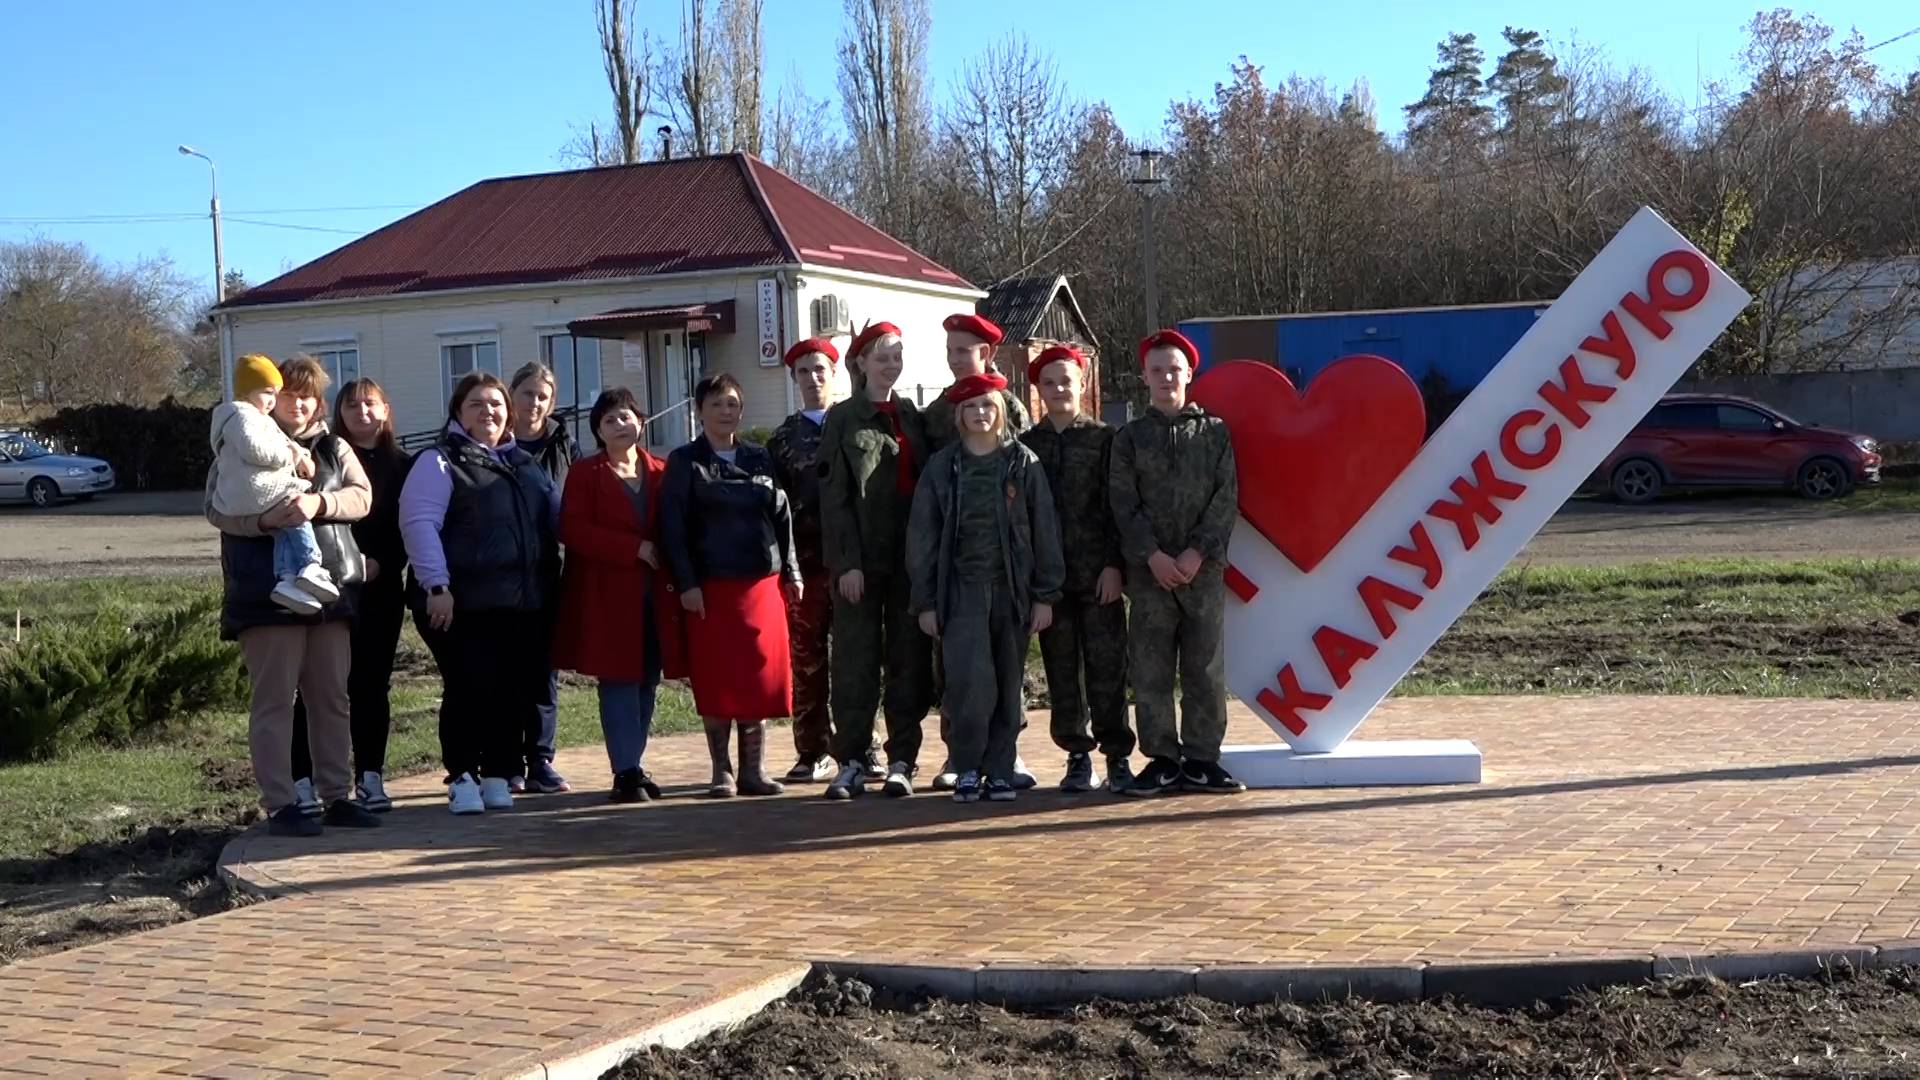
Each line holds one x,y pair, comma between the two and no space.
545,353
450,342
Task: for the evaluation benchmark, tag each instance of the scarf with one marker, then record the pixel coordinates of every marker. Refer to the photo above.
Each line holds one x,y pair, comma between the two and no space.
903,479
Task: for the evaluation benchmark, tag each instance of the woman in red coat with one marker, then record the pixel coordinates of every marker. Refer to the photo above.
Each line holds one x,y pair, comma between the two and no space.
608,522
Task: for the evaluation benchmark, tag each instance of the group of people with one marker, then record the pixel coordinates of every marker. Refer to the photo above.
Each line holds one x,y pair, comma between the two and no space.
872,559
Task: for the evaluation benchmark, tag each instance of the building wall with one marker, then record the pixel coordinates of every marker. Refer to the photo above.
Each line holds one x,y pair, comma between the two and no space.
1882,403
918,314
1459,345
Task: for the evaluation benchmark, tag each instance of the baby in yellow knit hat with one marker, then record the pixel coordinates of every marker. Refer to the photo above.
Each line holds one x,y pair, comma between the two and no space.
257,468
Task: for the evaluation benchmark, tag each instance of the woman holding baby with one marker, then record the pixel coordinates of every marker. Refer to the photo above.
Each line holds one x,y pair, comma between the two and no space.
289,648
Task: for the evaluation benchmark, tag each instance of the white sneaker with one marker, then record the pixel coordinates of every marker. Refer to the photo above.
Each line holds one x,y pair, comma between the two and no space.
317,583
1023,778
495,794
294,599
899,780
305,799
372,794
946,778
851,780
463,796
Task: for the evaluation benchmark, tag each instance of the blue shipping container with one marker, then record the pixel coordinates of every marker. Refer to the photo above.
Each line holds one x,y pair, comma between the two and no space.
1459,344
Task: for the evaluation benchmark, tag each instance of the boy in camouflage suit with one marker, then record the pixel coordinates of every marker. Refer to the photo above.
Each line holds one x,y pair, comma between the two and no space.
1088,637
795,447
1175,496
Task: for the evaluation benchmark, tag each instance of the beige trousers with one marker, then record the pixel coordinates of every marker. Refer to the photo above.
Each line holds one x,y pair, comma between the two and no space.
313,660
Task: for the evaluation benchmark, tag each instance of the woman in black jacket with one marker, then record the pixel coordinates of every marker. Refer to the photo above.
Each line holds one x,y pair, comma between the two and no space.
545,439
367,426
728,535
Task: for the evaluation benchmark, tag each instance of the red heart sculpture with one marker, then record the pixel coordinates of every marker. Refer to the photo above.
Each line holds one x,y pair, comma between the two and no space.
1311,467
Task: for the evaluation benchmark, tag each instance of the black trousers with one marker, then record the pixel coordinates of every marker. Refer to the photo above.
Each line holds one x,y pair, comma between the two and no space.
491,687
376,638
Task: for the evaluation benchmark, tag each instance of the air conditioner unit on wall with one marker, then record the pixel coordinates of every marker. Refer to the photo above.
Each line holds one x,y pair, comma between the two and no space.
830,316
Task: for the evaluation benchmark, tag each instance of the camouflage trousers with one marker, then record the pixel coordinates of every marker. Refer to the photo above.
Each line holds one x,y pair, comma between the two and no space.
875,634
809,623
983,650
1178,635
1087,647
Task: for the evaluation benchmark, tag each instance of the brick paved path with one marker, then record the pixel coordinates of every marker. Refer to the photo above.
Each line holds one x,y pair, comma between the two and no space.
438,945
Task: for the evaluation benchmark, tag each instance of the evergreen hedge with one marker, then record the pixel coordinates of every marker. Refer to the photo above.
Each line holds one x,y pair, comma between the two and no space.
151,447
104,681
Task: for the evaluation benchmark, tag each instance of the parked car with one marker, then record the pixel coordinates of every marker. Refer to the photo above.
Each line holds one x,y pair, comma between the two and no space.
32,472
1715,441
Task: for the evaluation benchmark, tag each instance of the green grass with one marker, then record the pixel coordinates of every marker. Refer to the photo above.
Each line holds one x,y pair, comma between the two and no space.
1901,494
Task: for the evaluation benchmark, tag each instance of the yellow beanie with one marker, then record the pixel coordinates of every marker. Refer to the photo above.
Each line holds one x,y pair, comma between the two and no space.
254,372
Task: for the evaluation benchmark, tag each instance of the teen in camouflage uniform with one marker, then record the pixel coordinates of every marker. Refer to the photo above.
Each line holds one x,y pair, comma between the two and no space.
983,552
971,340
1088,637
1174,495
871,453
795,447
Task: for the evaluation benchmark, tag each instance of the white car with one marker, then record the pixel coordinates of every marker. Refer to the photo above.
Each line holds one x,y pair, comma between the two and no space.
32,472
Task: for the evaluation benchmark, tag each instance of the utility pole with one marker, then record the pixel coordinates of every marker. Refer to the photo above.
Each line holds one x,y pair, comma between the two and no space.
219,268
1148,180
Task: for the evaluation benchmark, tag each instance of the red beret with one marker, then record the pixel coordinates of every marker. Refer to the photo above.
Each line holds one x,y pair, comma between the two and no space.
873,333
975,325
1162,338
811,345
1051,353
974,386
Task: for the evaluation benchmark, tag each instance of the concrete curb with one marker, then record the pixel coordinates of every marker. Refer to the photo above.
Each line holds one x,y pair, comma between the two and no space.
1039,984
1519,982
954,982
243,876
1261,984
1740,967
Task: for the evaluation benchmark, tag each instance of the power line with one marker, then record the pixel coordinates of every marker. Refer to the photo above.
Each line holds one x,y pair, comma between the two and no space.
290,225
169,215
1091,218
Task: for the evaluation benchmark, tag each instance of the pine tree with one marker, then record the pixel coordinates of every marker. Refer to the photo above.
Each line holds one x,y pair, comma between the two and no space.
1527,83
1454,109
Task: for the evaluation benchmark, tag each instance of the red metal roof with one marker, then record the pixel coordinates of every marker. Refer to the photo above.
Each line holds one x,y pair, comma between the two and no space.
716,316
660,217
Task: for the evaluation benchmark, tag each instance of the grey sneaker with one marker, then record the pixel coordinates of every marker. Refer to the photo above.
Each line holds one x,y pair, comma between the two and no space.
1119,774
899,780
968,789
946,778
306,800
999,790
1080,776
850,781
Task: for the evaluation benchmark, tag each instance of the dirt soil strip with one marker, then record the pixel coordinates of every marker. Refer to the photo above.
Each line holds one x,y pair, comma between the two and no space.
1850,1025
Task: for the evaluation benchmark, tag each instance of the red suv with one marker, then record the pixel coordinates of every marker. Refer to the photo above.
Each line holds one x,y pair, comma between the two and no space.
1709,440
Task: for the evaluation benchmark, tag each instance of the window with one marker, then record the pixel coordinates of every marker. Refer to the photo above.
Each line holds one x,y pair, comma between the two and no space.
342,364
576,369
459,360
1741,418
1680,418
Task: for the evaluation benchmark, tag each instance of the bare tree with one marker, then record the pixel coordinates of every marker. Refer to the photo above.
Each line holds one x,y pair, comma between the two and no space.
627,59
697,100
741,62
76,331
1006,139
801,142
883,91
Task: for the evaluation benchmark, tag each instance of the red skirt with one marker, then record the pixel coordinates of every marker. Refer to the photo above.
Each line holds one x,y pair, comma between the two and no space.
741,669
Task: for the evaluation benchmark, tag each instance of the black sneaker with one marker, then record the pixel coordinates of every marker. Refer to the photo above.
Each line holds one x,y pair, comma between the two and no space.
647,785
1209,778
344,814
1119,774
1160,777
1080,777
292,821
544,779
1000,789
967,788
626,787
875,770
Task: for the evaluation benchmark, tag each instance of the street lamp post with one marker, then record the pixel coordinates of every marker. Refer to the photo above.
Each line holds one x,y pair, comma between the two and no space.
219,267
1147,178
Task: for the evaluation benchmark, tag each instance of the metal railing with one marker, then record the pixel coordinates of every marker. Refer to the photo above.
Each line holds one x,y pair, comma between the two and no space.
574,417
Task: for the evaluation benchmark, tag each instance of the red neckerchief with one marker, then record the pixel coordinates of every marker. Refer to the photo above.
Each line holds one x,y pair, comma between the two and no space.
903,479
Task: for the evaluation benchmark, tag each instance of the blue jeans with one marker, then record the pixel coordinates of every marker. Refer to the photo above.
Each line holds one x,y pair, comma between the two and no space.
294,549
626,708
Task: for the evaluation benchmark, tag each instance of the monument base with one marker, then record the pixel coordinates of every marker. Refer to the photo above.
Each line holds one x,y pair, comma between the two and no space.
1356,763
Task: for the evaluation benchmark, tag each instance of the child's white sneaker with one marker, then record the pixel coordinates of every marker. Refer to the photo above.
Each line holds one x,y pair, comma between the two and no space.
295,599
318,584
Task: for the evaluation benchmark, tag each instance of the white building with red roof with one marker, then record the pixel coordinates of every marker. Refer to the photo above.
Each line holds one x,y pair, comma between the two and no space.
647,276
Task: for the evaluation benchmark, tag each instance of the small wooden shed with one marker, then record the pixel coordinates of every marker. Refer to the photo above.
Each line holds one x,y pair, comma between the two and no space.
1037,312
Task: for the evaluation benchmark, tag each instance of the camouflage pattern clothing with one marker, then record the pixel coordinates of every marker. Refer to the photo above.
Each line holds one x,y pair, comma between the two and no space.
1172,486
983,623
795,447
942,415
863,517
1087,643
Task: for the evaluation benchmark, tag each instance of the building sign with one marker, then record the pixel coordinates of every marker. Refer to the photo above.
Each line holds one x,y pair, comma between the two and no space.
633,355
769,322
1358,546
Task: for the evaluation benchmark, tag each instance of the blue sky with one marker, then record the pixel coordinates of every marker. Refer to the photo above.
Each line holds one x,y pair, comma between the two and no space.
354,103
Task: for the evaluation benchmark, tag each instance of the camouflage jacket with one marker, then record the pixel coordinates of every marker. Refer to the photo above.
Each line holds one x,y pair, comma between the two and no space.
795,447
1172,485
942,415
1029,533
1077,461
863,515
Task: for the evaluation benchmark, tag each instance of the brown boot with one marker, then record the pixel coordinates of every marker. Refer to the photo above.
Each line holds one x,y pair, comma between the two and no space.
718,732
753,765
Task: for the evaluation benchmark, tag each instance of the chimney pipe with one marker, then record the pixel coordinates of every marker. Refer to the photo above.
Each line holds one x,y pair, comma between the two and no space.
666,143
